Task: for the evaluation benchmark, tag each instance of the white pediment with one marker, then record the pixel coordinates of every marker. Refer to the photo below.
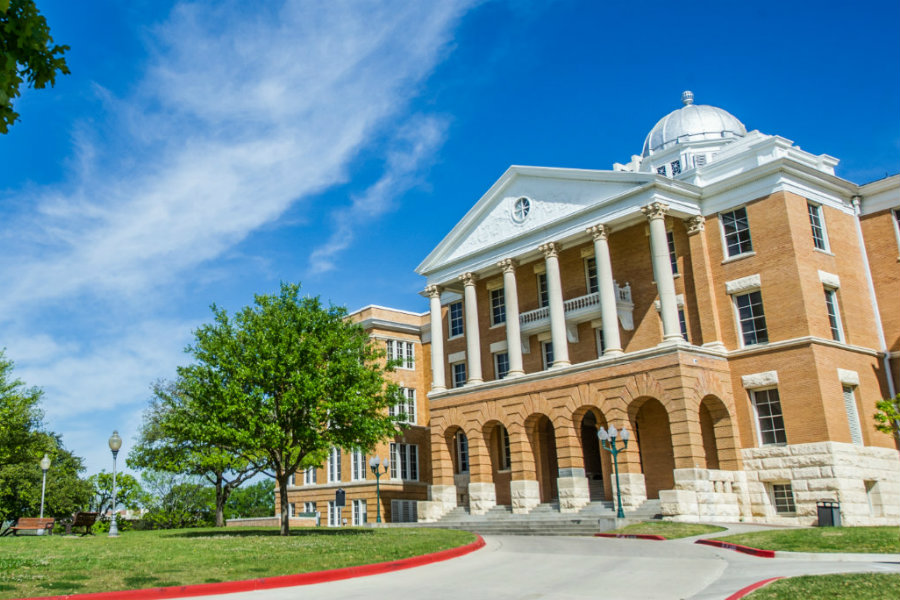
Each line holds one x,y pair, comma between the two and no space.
553,195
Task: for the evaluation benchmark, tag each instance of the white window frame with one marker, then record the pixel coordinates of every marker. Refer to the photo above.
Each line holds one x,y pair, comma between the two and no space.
499,357
334,465
673,256
334,514
456,369
357,465
292,510
543,290
724,235
780,438
309,476
455,322
360,514
782,495
590,274
740,322
682,323
547,354
462,452
407,406
833,312
309,507
853,422
601,345
402,350
815,212
498,307
404,461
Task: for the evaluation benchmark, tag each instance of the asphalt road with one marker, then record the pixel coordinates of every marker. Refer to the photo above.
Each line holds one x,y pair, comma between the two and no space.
568,568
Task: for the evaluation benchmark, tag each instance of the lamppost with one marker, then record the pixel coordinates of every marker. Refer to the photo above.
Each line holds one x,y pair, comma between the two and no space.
374,463
115,442
608,442
45,464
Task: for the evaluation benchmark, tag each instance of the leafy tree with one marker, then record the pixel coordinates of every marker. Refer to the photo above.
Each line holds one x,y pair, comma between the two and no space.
128,492
168,443
255,500
176,501
29,55
283,381
66,492
887,417
21,419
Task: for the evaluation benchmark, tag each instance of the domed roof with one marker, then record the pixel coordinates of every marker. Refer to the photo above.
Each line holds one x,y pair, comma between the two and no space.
692,123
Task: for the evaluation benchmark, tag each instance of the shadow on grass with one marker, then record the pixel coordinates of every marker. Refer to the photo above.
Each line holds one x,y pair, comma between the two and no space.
248,532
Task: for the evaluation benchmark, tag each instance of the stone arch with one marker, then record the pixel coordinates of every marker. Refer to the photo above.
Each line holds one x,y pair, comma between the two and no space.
598,467
642,386
653,438
717,430
542,438
499,450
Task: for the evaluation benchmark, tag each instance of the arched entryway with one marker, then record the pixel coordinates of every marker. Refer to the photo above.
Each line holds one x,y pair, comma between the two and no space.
543,446
596,463
654,440
497,438
717,433
458,444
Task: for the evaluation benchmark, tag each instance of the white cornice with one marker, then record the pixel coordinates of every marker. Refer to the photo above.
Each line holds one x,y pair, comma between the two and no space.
880,195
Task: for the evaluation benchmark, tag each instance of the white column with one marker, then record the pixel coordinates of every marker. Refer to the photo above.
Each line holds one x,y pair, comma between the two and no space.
557,309
607,289
513,332
662,270
473,335
438,382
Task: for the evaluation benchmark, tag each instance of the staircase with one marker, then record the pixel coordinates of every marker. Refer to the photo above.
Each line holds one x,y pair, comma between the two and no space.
544,519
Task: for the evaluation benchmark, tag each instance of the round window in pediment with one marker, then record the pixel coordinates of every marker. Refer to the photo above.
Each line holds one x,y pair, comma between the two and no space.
521,209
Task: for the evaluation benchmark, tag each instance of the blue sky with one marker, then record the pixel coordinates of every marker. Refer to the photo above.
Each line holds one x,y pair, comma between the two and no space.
203,152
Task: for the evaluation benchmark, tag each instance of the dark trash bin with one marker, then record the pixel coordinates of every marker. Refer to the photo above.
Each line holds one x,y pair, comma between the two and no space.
829,513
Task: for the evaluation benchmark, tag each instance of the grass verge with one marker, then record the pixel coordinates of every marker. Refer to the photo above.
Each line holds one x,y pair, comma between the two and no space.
55,565
668,529
842,586
822,539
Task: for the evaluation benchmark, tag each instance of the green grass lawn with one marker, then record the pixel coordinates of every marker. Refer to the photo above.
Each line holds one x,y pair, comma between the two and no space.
669,529
822,539
55,565
848,586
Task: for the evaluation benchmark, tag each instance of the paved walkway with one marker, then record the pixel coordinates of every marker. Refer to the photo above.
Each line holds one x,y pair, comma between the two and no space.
569,568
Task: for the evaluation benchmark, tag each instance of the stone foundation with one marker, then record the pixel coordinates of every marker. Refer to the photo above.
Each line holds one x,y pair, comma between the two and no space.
482,497
573,493
525,495
441,500
633,489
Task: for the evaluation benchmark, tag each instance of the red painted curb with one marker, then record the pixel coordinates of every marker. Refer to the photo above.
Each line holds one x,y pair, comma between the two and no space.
266,583
739,548
632,536
751,588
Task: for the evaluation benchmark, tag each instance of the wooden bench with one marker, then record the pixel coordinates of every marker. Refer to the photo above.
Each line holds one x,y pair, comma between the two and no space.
83,519
32,524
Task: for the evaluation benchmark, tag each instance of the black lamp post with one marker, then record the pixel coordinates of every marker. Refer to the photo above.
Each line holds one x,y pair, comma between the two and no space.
115,442
608,442
374,464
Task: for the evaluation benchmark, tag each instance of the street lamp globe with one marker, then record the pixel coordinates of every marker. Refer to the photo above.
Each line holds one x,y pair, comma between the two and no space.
45,463
115,442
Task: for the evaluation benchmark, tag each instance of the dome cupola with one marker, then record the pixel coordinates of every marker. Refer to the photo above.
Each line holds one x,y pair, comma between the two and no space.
692,123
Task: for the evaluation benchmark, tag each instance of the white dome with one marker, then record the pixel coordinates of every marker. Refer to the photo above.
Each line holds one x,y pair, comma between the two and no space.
692,123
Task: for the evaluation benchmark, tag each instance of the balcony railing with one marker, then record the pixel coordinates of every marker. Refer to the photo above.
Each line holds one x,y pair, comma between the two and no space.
580,309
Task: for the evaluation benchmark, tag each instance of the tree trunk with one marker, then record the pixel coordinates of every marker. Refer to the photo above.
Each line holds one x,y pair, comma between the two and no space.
221,497
282,492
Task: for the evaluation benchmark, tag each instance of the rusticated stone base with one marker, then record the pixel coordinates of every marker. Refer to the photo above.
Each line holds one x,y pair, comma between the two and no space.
482,497
634,490
573,493
442,499
525,495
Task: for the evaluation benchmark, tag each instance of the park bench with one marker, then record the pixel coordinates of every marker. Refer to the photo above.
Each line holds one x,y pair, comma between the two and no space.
83,519
31,524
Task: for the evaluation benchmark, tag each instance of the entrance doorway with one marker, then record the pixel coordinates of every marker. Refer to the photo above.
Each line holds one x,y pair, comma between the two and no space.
593,461
545,462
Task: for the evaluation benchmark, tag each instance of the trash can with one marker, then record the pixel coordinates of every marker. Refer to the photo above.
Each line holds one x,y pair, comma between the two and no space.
829,513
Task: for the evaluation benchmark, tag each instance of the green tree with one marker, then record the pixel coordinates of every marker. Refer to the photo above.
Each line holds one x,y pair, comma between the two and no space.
128,492
283,381
887,417
29,55
168,443
21,419
254,500
176,501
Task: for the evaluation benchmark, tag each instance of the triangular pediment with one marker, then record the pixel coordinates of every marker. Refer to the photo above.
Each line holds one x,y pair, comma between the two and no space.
553,195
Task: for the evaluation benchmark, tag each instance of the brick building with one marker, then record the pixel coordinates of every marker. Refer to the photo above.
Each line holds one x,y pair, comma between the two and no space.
723,296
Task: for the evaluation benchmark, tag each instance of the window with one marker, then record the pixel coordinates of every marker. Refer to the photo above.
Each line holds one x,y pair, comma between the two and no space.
673,258
405,461
852,416
309,507
503,452
359,512
751,318
498,307
293,479
896,213
676,167
661,170
459,374
601,345
736,229
820,241
834,317
501,364
334,465
456,319
683,324
521,209
334,514
357,466
406,407
292,509
462,453
402,351
769,418
404,511
783,498
543,294
547,352
309,476
590,272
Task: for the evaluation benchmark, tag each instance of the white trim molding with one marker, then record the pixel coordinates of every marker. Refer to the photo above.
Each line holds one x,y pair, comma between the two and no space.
751,283
760,380
457,357
848,377
500,346
830,280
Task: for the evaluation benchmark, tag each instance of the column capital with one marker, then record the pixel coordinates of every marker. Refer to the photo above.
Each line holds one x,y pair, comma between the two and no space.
550,249
655,210
508,265
695,224
433,291
468,278
599,231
